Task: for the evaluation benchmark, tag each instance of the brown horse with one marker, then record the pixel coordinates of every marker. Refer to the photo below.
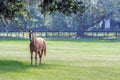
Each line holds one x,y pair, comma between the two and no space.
38,46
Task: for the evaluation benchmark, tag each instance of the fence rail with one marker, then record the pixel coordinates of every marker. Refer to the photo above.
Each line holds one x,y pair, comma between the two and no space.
63,34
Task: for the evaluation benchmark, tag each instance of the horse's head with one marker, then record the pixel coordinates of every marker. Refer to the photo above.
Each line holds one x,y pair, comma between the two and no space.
31,36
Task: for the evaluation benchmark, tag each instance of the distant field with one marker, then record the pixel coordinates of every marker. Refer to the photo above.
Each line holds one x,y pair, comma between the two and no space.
65,60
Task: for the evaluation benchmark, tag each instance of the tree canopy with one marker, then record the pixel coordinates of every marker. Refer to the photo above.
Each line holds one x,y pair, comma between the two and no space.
67,7
11,8
14,8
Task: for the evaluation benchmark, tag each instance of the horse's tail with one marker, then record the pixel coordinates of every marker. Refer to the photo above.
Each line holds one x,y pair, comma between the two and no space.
44,49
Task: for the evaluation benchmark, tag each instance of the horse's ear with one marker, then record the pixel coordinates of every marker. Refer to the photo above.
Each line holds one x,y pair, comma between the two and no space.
31,31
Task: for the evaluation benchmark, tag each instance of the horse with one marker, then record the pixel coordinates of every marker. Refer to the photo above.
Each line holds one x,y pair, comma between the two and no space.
37,45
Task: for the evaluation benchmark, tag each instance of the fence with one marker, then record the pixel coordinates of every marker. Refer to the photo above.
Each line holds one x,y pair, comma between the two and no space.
63,34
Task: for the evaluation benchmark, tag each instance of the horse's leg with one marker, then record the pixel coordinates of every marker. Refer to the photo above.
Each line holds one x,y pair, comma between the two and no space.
41,56
40,53
31,52
36,57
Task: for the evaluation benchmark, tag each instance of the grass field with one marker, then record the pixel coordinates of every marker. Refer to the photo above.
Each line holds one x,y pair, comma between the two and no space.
65,60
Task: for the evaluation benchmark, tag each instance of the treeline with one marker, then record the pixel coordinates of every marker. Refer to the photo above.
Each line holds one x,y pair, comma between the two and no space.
62,15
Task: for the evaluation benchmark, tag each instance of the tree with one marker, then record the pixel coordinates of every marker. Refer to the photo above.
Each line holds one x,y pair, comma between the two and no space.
96,13
13,8
10,9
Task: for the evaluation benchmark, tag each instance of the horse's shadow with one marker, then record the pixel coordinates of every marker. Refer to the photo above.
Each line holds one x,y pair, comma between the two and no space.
17,66
12,66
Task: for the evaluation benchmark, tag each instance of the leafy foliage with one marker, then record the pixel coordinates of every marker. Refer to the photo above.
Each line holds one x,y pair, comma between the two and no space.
12,8
67,7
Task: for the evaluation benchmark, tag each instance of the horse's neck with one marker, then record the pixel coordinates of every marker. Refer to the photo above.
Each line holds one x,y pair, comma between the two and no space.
32,38
33,42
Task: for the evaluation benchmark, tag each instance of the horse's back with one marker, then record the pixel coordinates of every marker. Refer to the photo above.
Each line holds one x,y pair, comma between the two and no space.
40,39
42,45
41,42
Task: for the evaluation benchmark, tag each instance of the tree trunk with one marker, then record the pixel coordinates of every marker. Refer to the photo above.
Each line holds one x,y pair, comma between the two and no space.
6,28
81,27
5,23
103,25
80,32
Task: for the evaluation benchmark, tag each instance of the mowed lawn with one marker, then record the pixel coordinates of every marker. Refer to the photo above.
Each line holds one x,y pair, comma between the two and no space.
65,60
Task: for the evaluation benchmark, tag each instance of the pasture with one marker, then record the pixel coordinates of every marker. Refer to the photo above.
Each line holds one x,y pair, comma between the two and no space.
65,60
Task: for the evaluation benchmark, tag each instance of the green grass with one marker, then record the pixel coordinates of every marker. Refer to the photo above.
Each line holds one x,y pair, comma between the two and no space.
65,60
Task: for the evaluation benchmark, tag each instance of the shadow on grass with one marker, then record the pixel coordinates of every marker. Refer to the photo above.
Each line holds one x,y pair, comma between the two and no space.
17,66
11,65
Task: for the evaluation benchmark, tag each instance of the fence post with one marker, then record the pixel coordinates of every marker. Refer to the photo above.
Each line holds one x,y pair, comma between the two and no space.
116,34
46,34
7,34
18,34
58,34
23,34
10,34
